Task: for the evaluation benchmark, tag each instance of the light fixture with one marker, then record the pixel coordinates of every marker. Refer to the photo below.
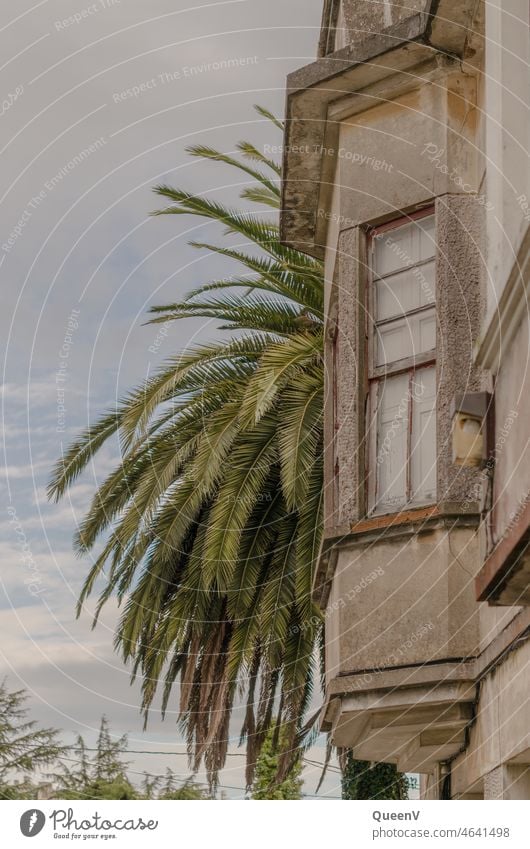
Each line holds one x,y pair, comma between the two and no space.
472,419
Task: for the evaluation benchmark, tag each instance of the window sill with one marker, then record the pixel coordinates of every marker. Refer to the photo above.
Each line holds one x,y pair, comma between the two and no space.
412,515
388,520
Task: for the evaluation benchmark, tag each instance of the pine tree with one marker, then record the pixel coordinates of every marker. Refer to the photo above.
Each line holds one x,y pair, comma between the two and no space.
24,748
109,764
150,785
102,777
189,790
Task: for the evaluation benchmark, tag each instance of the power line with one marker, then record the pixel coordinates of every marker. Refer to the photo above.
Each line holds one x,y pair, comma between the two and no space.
328,768
154,752
220,786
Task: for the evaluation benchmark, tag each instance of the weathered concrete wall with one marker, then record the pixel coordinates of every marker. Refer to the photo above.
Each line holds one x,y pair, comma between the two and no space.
507,782
382,67
330,256
405,601
366,17
501,731
357,19
409,150
492,621
512,433
393,156
332,635
507,110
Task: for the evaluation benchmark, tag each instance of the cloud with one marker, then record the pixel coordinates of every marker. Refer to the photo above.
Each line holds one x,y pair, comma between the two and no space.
86,243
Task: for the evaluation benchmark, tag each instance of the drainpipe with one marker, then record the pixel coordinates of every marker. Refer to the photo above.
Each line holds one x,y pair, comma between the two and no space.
445,777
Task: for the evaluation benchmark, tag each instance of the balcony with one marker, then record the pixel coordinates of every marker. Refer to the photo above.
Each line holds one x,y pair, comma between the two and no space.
401,638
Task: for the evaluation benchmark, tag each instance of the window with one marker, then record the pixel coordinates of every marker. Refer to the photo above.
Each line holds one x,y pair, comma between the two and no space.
334,34
402,366
341,33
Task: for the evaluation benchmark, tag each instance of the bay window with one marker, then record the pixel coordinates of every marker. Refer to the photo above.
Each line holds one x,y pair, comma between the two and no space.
402,365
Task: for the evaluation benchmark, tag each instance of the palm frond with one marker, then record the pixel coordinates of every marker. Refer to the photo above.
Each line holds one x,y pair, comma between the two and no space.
261,195
251,152
205,152
270,117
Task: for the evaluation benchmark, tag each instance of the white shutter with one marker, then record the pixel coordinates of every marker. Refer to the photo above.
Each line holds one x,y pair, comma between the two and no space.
425,276
423,439
341,33
407,290
425,338
394,250
406,337
404,246
397,294
403,439
394,341
392,430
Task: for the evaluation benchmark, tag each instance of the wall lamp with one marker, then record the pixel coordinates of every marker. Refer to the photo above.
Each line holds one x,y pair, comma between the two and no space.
473,428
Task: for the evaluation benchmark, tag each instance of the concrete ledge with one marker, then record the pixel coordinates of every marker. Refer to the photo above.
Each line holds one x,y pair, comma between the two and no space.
415,727
407,676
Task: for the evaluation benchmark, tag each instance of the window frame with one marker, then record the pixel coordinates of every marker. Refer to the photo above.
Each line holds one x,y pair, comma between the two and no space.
376,375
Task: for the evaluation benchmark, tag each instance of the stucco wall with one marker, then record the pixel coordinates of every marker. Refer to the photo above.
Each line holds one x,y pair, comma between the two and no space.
460,269
350,377
330,255
501,731
512,433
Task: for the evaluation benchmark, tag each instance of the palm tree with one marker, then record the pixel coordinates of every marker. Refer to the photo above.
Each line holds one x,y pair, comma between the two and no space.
212,520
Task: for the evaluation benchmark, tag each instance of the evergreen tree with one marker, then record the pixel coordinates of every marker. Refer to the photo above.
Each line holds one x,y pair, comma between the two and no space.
102,777
189,790
150,785
104,774
109,764
24,748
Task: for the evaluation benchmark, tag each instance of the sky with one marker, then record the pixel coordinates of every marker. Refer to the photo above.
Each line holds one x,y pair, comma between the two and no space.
99,101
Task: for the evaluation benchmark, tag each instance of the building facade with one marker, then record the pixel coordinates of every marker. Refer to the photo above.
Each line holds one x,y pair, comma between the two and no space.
406,171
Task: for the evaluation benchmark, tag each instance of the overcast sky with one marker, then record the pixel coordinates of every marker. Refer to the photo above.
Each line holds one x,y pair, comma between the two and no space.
131,84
